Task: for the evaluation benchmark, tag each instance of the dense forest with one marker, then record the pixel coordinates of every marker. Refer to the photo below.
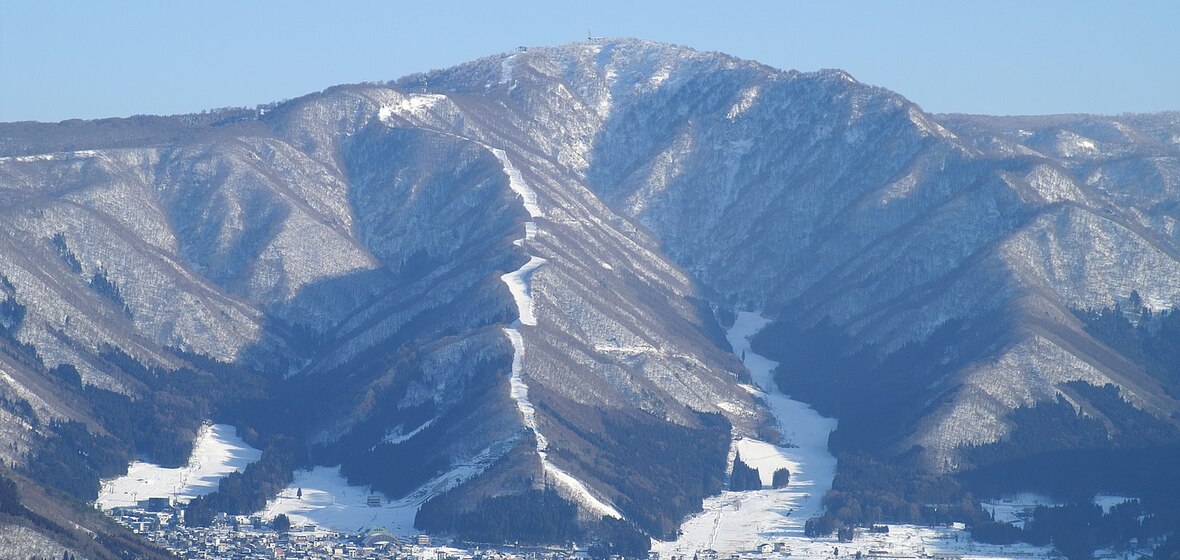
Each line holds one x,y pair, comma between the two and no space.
1078,529
663,471
868,491
243,493
1149,338
159,424
539,516
1113,447
742,476
872,395
870,391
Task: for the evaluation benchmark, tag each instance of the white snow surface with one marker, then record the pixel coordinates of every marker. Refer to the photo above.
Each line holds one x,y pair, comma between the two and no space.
905,541
395,437
1016,509
415,105
519,389
517,184
506,68
1106,501
331,503
217,452
736,521
521,288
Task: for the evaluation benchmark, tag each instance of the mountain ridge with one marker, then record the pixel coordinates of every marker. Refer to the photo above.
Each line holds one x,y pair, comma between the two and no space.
350,245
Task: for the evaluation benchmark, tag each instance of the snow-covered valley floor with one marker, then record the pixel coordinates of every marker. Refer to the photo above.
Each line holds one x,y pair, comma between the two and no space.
217,452
329,502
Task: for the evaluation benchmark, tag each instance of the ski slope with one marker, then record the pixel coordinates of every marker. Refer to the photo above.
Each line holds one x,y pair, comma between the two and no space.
519,284
739,521
329,502
217,452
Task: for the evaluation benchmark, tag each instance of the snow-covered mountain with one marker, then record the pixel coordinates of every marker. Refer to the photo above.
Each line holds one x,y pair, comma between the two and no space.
505,275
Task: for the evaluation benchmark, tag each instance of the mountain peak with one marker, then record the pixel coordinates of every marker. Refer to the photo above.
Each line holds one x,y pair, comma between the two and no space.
491,277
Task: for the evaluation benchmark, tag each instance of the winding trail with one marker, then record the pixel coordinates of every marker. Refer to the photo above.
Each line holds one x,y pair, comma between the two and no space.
519,283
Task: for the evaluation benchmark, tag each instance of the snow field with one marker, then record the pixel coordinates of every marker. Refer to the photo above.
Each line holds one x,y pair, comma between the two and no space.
517,184
912,541
217,452
739,521
520,285
329,502
416,105
1016,509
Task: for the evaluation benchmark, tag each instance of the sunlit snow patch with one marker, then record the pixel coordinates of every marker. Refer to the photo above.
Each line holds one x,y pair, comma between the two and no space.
1107,502
739,521
519,284
412,105
395,437
329,502
517,184
1017,509
217,452
747,100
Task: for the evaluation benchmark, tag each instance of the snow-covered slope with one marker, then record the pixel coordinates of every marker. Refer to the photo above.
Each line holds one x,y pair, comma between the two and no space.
504,270
740,521
217,452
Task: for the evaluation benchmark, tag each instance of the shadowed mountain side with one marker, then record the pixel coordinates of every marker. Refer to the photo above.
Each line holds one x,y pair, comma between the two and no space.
506,274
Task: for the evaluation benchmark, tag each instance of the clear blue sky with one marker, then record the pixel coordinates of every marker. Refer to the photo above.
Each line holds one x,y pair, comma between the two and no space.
92,59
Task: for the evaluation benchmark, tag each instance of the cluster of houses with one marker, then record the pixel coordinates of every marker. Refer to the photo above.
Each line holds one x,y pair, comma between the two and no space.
709,554
250,538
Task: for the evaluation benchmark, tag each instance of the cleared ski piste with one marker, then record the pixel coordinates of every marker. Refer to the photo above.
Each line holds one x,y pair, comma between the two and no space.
740,521
519,284
329,502
734,522
217,452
